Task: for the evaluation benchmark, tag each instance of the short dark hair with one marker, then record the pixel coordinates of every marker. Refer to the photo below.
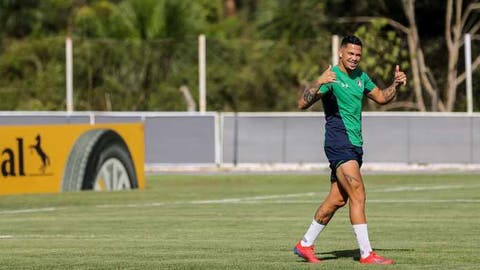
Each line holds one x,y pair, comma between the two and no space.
351,39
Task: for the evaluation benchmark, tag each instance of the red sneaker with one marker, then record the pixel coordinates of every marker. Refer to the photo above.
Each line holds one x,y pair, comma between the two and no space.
374,258
306,253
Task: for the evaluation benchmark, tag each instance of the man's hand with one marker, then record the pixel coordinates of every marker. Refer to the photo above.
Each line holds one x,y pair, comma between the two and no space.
311,94
384,96
400,77
327,76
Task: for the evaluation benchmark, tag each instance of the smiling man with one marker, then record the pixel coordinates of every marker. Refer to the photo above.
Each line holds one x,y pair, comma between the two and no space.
342,89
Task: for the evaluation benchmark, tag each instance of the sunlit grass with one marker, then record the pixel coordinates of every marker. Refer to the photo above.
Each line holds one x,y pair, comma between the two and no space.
241,222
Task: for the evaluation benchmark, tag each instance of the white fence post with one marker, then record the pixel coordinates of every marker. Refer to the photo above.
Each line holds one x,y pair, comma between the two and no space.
202,81
69,73
468,72
334,50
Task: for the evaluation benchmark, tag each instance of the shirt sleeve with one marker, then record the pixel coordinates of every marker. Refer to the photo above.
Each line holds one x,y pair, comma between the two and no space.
368,84
324,88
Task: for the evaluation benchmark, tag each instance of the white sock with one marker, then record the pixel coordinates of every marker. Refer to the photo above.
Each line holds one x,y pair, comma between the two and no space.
312,233
361,232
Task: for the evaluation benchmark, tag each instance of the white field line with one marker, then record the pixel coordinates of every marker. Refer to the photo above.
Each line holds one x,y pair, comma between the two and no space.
283,198
219,201
368,201
30,210
49,236
405,188
424,201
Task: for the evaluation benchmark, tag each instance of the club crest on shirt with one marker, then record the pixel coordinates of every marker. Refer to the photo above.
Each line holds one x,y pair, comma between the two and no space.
359,83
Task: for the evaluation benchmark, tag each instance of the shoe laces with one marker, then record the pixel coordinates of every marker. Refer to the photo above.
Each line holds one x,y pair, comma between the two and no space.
377,257
311,248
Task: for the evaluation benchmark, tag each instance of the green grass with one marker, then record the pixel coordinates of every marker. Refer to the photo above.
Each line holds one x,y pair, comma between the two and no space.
241,222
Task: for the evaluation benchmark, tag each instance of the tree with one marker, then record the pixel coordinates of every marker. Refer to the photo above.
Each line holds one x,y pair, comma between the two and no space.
146,36
271,53
19,18
276,19
31,18
383,49
230,7
135,54
460,18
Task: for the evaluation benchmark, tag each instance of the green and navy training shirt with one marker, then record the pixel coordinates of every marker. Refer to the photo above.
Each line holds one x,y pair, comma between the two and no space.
342,102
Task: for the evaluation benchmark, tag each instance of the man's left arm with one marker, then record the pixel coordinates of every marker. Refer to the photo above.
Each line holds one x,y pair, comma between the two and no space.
384,96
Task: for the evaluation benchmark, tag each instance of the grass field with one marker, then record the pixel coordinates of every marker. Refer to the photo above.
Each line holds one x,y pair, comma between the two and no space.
241,222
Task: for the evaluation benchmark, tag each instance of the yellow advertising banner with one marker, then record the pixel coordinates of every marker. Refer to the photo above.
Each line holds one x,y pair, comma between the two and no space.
71,157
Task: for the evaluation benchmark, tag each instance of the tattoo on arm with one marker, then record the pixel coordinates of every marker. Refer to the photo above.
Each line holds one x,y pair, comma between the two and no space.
389,93
310,95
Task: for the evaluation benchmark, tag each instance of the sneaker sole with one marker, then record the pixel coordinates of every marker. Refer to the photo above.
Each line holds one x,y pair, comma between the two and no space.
295,251
385,262
379,263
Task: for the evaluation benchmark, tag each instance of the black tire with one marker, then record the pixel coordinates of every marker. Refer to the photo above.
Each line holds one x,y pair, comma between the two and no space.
89,158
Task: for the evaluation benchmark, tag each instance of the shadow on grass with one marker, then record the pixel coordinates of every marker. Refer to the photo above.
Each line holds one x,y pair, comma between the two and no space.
352,253
337,254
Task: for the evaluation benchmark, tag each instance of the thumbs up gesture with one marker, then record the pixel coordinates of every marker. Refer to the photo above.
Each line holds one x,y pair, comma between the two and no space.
400,77
327,76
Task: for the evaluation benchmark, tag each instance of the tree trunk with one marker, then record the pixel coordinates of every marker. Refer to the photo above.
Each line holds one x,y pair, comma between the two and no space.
191,105
412,47
452,36
423,79
418,60
230,8
456,19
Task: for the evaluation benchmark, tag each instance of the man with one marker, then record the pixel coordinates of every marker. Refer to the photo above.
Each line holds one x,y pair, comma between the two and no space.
341,89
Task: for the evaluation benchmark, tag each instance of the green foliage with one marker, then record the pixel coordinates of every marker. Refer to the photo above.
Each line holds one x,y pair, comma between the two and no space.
32,73
382,50
290,19
118,75
135,54
261,75
140,19
101,19
19,18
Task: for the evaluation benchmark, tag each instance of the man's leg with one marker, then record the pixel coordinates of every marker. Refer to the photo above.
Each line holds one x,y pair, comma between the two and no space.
350,179
335,199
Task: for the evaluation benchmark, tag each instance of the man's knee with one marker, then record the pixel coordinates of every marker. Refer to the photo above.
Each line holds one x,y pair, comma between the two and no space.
359,198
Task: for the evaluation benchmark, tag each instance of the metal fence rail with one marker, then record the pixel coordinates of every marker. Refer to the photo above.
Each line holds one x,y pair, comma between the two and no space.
186,138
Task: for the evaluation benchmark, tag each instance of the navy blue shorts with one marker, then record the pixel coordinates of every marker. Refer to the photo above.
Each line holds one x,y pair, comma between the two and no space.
337,156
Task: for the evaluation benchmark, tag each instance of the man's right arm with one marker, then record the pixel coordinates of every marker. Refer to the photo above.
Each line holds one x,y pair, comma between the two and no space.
311,94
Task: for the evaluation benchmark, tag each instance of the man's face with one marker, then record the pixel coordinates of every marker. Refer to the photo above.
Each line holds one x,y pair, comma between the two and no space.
350,56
